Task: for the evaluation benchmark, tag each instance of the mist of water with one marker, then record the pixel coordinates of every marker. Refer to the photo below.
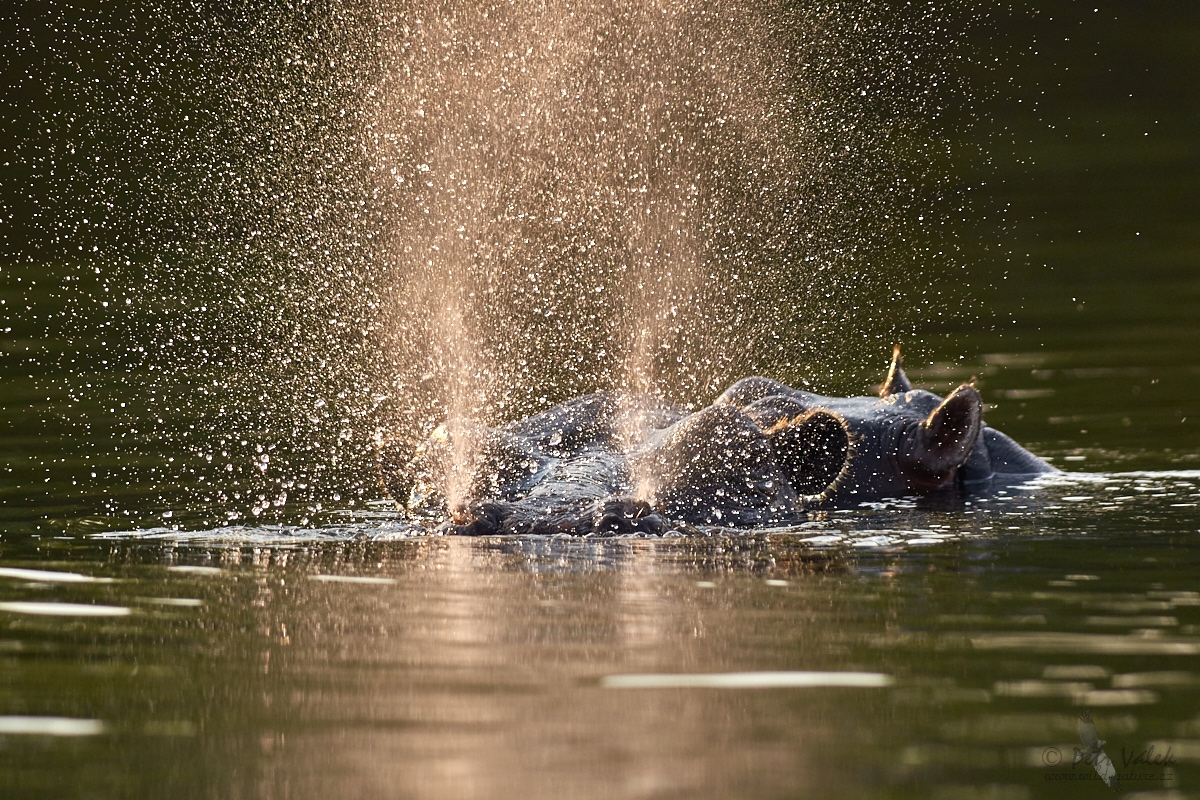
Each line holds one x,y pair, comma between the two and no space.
636,196
345,218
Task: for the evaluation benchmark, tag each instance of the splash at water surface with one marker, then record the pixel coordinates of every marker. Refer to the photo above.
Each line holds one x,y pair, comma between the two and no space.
389,216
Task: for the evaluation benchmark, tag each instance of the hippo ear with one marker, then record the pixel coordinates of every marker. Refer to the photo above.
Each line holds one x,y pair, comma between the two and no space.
896,381
811,449
944,440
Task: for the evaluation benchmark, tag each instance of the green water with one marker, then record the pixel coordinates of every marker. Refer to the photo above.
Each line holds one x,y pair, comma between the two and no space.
334,651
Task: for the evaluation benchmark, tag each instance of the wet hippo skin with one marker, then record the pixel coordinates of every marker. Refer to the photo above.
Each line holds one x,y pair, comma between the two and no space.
762,453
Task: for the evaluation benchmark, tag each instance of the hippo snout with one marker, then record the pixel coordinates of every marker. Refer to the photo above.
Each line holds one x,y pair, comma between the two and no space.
477,518
611,516
626,515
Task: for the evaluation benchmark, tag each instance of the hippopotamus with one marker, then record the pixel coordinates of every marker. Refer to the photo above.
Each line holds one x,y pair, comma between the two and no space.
762,454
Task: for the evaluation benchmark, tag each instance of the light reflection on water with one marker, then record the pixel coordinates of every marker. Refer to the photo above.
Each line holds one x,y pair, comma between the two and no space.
1076,498
454,668
49,726
948,656
64,609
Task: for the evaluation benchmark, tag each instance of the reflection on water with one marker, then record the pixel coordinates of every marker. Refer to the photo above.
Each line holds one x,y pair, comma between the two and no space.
1076,501
916,648
749,680
48,576
64,609
349,654
50,726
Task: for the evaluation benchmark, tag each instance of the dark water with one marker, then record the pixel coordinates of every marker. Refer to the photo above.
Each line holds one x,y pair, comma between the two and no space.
352,660
333,650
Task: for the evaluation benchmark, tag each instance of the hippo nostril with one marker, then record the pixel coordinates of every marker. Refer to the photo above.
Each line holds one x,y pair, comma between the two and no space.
477,518
626,515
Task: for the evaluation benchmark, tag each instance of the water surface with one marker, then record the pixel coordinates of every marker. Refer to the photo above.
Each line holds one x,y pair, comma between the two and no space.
166,632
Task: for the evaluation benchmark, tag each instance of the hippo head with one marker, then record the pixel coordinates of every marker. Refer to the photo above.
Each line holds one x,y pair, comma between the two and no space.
902,441
761,454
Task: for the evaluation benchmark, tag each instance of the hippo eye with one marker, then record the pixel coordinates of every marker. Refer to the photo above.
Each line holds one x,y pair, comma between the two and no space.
811,450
